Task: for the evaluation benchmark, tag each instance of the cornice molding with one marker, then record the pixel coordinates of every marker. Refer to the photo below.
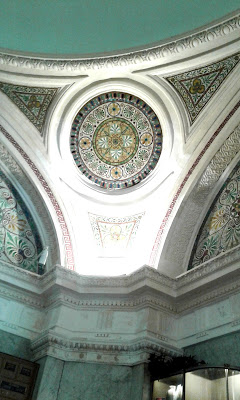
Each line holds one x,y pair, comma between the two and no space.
209,297
217,264
131,353
116,304
178,46
19,296
126,281
102,302
145,288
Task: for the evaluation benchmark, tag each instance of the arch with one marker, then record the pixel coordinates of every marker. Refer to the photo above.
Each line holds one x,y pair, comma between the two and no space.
220,230
20,243
28,210
179,238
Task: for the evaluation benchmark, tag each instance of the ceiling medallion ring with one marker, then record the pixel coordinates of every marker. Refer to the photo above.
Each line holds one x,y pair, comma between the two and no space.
116,140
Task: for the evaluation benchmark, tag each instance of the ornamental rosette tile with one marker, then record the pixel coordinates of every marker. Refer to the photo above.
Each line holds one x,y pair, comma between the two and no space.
116,140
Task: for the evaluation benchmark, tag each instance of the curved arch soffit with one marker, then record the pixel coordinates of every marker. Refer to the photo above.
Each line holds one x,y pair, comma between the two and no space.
220,230
48,217
174,241
20,242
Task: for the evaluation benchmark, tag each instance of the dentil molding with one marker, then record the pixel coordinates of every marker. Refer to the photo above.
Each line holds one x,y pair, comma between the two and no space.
119,354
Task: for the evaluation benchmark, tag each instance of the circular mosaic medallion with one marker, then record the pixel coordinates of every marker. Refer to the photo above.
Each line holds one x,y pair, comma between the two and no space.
116,140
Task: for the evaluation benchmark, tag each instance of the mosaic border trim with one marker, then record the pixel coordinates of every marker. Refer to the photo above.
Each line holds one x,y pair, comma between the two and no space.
61,219
175,198
173,48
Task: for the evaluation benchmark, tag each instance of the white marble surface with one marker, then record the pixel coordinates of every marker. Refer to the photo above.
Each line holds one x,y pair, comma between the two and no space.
48,380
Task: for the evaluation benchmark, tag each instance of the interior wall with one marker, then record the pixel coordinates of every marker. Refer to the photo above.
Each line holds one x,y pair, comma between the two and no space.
59,380
219,351
15,345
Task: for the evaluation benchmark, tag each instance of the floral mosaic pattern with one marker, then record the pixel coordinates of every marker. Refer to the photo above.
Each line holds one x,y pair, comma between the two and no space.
220,230
116,140
115,233
19,240
197,87
33,102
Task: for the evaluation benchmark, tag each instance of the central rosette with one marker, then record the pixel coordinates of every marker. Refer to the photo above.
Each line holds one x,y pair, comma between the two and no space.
115,141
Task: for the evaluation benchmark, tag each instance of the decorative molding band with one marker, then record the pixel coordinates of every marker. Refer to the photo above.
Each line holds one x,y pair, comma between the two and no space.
209,297
221,160
116,304
127,282
61,219
178,46
20,274
176,196
19,296
124,354
117,301
124,297
218,263
10,162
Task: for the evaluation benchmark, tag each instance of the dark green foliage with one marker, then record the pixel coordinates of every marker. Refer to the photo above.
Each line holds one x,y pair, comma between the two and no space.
162,365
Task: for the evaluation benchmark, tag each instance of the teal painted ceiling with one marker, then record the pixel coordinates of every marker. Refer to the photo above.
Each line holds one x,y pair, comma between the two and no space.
97,26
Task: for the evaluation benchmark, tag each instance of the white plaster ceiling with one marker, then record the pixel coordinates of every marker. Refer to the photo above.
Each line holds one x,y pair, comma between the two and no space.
183,144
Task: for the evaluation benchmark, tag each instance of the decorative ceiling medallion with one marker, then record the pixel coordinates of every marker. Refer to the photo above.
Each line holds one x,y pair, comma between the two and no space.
116,140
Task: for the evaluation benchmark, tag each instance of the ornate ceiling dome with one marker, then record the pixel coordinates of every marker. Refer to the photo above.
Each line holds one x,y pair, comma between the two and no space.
116,140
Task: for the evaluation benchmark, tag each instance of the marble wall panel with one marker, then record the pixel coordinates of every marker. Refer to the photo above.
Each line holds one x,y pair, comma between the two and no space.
213,319
218,351
15,345
96,320
49,376
92,381
23,319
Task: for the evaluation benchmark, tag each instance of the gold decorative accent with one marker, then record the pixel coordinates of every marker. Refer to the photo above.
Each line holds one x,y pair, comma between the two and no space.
85,143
